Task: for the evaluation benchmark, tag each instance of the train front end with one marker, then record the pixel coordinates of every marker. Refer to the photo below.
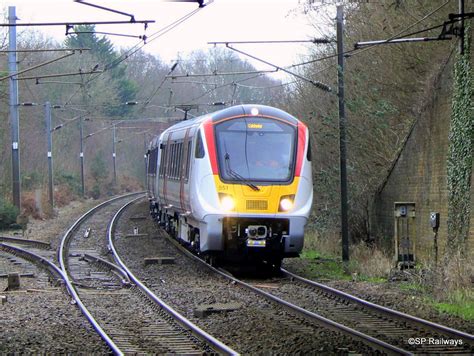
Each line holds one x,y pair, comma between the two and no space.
260,160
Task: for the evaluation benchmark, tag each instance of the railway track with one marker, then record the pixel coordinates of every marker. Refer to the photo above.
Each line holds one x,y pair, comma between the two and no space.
245,322
381,328
414,334
129,320
260,289
33,310
38,253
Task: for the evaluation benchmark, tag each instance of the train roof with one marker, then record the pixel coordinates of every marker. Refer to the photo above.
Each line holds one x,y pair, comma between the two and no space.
233,111
238,110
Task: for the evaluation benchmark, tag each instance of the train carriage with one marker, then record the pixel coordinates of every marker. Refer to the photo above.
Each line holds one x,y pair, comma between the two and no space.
234,185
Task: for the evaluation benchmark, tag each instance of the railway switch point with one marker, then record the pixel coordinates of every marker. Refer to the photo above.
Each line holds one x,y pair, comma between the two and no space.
206,309
159,260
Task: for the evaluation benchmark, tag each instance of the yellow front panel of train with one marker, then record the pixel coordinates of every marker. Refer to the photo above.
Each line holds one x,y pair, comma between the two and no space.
240,198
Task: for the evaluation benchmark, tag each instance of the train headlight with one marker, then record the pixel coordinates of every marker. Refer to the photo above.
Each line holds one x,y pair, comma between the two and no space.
227,202
286,203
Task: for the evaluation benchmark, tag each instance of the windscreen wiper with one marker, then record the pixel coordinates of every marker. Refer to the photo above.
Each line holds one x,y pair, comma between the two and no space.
236,175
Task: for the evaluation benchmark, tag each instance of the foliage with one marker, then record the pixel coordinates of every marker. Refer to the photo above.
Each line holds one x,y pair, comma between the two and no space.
411,287
324,268
31,205
8,214
385,88
95,191
102,48
367,263
108,60
98,98
71,180
31,180
459,303
461,148
98,168
63,195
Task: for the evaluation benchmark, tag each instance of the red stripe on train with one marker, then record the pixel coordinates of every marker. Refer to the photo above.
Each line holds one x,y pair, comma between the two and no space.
211,144
301,146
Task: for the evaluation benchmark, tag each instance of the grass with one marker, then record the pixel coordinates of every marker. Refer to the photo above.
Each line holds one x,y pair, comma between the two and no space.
447,289
311,254
460,303
325,268
411,287
372,279
464,310
366,263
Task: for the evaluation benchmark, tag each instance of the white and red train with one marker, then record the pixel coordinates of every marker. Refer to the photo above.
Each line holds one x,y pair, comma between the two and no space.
235,184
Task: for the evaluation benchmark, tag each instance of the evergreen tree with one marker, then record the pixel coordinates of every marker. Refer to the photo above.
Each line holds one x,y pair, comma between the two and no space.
103,51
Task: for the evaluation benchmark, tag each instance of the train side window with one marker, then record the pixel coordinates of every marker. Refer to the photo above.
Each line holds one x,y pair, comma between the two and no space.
199,153
153,158
176,160
188,161
169,161
163,161
173,160
150,159
180,161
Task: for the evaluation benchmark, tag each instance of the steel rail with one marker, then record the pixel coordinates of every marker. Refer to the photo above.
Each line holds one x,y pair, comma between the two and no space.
194,329
34,258
16,240
330,324
387,311
70,286
119,272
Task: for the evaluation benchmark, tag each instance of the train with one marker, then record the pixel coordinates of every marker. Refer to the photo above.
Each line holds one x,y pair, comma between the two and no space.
234,185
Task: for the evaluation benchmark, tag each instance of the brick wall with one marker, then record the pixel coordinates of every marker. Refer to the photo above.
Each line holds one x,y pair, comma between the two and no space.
419,174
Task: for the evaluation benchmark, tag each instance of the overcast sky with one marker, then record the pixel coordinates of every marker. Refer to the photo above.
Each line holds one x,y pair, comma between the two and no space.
223,20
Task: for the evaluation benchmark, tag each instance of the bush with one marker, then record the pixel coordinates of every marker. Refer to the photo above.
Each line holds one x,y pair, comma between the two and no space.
72,180
8,214
129,184
30,206
370,261
63,195
95,192
31,180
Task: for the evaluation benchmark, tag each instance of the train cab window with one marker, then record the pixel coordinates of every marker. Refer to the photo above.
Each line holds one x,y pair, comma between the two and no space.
199,153
256,149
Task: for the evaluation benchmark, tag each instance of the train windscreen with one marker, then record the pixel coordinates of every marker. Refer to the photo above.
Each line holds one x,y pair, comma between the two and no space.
255,149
